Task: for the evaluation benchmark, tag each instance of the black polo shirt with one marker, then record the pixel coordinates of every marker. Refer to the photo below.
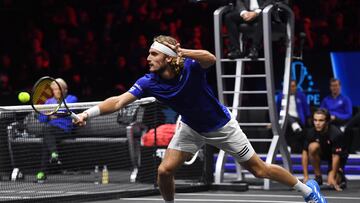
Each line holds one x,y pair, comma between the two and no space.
331,142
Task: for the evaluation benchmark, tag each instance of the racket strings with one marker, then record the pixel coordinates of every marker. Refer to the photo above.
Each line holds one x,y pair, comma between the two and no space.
41,93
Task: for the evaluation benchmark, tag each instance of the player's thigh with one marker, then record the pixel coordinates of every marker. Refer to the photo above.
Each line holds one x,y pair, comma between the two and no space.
183,145
173,159
232,140
186,140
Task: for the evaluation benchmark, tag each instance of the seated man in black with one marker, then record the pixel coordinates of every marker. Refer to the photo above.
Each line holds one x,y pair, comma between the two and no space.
245,11
325,142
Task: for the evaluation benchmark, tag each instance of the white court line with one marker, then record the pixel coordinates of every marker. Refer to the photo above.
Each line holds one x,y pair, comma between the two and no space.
9,197
259,195
26,191
208,200
49,192
77,193
15,197
8,191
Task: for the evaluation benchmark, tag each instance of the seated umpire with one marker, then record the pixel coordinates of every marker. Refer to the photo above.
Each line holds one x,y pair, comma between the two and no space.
249,12
55,129
325,142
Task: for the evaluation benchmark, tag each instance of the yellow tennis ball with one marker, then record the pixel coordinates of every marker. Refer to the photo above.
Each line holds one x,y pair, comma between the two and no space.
23,97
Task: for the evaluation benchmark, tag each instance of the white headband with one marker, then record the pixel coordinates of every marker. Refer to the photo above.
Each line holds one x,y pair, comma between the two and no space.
163,49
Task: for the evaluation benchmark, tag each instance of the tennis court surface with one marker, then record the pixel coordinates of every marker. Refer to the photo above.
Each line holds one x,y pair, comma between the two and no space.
132,168
279,194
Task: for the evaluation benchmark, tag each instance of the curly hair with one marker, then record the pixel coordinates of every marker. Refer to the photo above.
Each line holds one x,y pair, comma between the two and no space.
177,67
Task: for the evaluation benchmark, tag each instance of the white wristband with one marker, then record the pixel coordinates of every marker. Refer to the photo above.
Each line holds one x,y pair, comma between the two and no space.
93,111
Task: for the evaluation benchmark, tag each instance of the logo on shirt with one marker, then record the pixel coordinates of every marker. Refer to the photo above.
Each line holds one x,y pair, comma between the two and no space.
132,89
138,86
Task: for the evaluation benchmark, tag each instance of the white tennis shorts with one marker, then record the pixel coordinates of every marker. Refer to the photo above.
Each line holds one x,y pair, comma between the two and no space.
229,138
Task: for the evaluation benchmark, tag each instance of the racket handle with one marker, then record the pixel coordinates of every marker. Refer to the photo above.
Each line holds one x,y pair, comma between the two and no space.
74,116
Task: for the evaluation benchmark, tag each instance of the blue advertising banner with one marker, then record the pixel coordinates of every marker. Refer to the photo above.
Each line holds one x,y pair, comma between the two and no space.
346,68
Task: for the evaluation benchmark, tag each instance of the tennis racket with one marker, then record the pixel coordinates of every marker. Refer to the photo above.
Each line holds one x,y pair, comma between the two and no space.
45,89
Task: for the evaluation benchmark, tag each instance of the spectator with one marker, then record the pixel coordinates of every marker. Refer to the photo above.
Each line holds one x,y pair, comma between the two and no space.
339,33
5,89
324,42
297,120
55,128
139,49
325,142
6,66
89,50
64,43
338,105
248,12
68,22
308,29
124,75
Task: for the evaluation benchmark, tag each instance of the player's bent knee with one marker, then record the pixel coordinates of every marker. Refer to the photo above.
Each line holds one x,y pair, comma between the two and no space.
164,171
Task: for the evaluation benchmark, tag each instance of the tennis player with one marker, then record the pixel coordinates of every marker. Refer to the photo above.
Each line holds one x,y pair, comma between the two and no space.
178,78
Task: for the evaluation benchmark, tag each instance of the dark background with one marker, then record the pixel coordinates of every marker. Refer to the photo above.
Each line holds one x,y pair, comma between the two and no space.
99,47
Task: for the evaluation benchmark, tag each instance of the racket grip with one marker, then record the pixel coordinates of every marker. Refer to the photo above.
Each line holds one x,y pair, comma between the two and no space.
74,116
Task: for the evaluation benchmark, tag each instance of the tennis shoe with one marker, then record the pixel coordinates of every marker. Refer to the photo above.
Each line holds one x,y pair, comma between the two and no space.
315,196
40,177
55,158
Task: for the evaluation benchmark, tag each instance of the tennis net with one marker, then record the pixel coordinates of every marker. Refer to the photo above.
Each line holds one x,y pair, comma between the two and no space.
114,155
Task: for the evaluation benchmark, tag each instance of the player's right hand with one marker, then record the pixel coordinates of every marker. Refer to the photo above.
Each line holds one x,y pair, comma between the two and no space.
82,119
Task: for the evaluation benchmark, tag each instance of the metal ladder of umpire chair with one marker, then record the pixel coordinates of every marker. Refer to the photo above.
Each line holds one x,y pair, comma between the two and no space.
277,143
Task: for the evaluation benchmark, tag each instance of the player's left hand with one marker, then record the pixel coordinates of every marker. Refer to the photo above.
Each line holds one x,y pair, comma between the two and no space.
177,49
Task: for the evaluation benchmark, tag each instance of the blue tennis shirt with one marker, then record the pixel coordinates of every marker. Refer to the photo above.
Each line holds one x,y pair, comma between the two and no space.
64,123
188,94
340,107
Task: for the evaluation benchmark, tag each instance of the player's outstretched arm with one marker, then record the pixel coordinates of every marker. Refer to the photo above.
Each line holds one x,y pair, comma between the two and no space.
115,103
109,105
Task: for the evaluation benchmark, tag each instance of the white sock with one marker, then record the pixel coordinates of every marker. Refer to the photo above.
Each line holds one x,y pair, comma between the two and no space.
172,201
304,189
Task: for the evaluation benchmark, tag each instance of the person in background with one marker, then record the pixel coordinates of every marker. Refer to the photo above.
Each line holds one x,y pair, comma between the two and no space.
341,111
338,105
248,12
299,113
55,128
325,142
